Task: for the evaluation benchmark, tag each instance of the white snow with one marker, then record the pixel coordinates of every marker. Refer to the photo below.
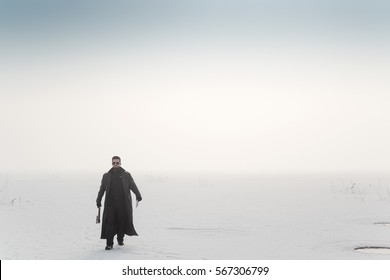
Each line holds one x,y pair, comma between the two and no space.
200,217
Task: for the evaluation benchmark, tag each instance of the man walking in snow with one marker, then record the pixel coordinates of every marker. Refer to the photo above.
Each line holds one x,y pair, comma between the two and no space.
118,210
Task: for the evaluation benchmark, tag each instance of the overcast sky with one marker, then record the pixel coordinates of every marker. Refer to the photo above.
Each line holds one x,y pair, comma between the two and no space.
219,86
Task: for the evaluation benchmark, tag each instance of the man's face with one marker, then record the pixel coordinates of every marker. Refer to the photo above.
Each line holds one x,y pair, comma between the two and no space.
116,163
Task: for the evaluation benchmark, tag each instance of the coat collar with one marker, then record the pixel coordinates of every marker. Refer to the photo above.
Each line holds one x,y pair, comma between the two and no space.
120,169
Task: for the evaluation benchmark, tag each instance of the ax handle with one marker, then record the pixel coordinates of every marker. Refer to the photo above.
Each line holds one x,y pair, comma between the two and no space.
98,216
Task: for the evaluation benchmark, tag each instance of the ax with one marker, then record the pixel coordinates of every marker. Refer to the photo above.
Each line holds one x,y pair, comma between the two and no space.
98,216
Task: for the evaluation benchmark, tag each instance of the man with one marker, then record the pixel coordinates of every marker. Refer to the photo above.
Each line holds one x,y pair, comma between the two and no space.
118,210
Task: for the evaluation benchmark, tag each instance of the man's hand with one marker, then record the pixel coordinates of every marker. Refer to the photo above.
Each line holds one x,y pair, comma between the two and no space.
99,204
139,198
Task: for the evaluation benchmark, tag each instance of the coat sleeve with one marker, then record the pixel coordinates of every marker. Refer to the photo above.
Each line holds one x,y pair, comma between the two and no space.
134,187
101,191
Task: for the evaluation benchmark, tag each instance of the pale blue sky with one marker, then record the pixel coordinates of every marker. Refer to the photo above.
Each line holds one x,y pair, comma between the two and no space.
141,22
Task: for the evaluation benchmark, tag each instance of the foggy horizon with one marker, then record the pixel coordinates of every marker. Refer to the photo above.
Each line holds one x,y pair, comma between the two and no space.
206,86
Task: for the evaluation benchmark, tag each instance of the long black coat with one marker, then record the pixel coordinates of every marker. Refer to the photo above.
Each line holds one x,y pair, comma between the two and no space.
128,184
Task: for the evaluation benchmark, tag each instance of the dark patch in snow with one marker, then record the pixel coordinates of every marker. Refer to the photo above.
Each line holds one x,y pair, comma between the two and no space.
382,223
374,250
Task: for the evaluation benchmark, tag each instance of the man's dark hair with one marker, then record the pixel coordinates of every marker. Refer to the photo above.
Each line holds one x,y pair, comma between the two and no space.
116,157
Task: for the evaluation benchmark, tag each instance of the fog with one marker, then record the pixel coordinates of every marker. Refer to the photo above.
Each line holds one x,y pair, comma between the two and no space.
216,86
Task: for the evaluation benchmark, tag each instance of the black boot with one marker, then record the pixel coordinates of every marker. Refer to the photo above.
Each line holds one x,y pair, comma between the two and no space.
109,243
120,239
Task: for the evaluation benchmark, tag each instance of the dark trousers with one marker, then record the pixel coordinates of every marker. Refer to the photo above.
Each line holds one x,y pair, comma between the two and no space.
119,237
116,221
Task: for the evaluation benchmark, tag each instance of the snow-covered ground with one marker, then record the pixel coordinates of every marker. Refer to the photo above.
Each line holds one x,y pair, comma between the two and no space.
200,217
